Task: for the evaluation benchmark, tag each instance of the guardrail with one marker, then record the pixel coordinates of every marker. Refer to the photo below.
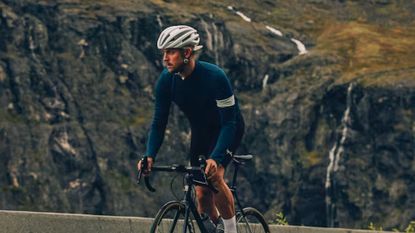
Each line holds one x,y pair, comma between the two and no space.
41,222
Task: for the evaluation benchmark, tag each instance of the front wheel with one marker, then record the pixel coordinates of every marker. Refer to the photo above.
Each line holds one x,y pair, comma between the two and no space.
170,218
250,220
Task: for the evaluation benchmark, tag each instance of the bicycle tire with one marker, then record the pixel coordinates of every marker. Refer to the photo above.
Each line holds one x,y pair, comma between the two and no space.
251,221
170,219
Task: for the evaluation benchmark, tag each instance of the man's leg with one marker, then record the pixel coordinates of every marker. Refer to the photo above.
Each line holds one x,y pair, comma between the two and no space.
206,202
224,200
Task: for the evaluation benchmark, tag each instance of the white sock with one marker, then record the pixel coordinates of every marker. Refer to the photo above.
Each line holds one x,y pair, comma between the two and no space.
230,225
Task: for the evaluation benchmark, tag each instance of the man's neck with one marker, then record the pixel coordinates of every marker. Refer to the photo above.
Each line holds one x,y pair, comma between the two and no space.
188,69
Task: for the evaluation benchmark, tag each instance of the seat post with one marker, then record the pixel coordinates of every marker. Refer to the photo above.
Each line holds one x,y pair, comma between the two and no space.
235,174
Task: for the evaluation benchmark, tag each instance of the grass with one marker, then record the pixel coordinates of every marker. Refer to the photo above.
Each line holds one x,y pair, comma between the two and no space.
375,47
313,158
373,227
409,229
280,219
368,49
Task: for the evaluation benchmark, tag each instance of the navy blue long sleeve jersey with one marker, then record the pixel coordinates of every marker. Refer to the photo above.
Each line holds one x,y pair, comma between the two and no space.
207,100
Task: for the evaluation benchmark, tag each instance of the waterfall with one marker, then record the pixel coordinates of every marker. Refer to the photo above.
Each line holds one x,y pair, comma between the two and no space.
219,42
82,44
336,152
32,45
265,81
300,46
243,16
160,23
273,30
209,40
214,40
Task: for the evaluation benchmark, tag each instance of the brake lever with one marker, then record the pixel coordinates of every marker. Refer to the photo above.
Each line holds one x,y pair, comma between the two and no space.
140,171
202,162
144,165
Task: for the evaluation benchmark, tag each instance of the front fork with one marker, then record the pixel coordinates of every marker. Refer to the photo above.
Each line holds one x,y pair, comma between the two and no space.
191,209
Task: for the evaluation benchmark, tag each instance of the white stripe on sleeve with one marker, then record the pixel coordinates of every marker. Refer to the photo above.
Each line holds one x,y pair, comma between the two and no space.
226,102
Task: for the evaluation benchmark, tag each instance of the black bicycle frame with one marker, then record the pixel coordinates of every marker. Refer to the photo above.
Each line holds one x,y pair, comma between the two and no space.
191,207
233,188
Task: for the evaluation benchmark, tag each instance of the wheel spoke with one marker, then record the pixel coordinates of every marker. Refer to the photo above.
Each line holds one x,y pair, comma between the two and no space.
170,219
251,221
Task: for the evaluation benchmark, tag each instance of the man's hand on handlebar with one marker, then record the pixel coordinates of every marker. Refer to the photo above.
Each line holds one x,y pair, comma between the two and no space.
211,168
147,167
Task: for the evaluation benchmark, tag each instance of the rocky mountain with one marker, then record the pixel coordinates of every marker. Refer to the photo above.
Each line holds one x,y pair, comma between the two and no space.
326,89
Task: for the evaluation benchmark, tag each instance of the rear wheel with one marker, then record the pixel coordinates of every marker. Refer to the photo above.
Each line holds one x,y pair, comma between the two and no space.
250,220
170,218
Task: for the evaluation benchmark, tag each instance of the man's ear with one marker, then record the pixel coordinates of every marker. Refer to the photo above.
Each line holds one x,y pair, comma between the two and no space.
188,53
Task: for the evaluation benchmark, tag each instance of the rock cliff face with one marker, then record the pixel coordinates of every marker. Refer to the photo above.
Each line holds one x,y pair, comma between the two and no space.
76,85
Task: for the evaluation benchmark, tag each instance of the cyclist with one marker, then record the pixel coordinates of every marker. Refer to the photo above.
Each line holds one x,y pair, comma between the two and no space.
203,92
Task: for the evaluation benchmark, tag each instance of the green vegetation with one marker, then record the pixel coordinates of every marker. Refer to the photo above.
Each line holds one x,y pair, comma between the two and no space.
409,229
313,158
309,158
366,50
372,227
280,219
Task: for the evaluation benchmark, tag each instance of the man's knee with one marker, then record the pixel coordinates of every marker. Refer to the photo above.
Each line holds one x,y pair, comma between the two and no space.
217,180
203,192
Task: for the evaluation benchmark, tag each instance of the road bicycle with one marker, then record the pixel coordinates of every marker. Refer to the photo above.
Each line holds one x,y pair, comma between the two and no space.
182,216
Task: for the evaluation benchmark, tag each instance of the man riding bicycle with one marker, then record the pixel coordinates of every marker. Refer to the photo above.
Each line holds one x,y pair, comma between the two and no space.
203,92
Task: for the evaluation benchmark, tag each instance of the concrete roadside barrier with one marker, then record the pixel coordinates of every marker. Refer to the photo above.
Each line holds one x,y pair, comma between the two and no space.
302,229
41,222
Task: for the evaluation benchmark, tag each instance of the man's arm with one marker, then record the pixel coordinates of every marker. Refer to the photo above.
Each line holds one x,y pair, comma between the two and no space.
160,117
225,102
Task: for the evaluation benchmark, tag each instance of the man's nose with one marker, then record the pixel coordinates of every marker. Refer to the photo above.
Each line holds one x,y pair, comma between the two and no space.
165,58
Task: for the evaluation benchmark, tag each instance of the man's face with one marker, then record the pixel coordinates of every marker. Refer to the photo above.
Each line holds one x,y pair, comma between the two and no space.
172,59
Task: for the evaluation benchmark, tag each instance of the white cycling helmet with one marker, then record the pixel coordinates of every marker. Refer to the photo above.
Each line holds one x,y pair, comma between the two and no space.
179,36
